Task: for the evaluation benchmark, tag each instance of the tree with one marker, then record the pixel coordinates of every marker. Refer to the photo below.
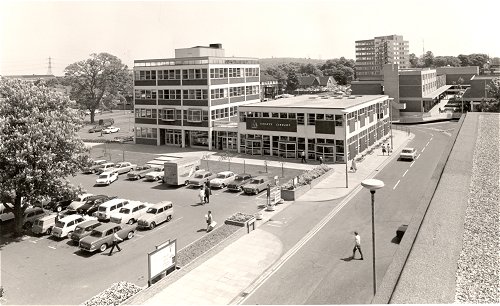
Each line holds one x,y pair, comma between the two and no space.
100,80
292,82
341,69
464,60
428,59
443,61
413,60
493,90
39,147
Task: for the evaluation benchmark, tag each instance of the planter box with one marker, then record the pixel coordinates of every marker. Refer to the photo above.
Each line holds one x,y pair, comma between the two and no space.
231,222
292,195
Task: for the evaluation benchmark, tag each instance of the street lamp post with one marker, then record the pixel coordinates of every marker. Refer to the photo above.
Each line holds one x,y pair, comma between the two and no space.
345,149
373,185
390,118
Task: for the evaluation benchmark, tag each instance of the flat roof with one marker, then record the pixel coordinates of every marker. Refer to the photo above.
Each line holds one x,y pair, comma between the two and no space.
315,101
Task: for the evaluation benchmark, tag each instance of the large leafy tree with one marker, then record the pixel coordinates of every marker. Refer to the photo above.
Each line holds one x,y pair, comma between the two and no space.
341,69
98,81
428,59
39,147
493,92
443,61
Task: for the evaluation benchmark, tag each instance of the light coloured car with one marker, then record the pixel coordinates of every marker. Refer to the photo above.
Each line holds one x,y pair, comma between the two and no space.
64,227
31,214
130,213
200,177
123,167
95,165
105,209
5,215
408,153
83,230
102,236
156,214
111,129
141,171
239,181
222,179
79,201
155,175
256,185
105,167
106,178
44,225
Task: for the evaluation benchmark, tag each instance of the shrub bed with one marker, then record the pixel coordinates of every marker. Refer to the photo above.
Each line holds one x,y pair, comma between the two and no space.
114,295
306,177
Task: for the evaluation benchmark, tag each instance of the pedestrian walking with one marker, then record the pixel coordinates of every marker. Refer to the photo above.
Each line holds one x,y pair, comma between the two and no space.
210,221
389,150
354,167
208,192
383,149
357,245
201,194
268,193
321,160
116,239
303,156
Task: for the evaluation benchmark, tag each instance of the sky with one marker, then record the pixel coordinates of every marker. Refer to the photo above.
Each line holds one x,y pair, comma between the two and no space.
69,31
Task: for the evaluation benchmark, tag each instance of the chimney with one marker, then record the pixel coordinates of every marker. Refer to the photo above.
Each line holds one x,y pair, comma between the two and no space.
216,46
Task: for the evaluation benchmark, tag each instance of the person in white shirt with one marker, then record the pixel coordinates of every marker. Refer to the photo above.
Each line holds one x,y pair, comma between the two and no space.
357,245
116,239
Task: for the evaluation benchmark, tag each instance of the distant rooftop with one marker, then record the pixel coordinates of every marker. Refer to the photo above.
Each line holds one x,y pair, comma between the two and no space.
316,101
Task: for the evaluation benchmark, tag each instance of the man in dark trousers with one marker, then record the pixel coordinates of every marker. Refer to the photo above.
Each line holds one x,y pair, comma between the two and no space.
357,245
303,156
208,192
116,239
268,194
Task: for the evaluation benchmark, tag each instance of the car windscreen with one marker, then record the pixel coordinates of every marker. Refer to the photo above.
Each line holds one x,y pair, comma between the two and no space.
221,176
239,178
125,211
102,208
151,211
103,176
96,234
406,151
60,224
141,168
39,222
79,230
199,176
255,182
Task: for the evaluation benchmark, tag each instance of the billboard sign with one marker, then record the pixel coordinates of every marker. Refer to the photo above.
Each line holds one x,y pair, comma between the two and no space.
272,124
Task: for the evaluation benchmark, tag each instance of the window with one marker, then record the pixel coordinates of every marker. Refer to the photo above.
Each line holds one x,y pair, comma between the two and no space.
236,91
145,113
145,75
195,94
338,120
194,115
194,74
252,72
169,74
218,73
172,94
142,132
167,114
311,119
300,118
218,93
252,90
145,94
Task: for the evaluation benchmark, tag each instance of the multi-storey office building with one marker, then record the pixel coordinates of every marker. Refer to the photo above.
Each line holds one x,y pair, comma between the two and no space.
191,100
314,124
372,54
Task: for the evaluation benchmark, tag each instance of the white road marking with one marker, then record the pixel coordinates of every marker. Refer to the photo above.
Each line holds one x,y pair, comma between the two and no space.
423,149
405,173
412,163
52,247
427,143
396,185
418,156
33,241
430,139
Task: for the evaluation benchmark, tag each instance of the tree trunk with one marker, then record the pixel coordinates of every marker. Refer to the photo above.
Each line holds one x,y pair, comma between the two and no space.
92,116
18,217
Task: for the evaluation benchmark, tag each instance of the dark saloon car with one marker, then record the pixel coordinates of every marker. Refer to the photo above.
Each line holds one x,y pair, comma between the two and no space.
102,236
239,181
92,204
141,171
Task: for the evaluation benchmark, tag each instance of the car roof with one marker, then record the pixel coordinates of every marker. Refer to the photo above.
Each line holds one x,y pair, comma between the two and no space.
107,172
108,163
260,177
30,209
408,148
112,201
70,217
87,223
226,172
100,160
161,204
106,226
244,174
132,204
53,215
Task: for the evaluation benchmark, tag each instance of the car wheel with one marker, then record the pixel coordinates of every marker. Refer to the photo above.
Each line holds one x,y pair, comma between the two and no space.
222,186
27,225
48,231
130,235
131,221
152,225
186,183
169,217
58,209
103,247
69,234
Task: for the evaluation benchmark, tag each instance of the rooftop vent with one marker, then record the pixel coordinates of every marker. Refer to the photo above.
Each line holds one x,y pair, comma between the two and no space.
216,46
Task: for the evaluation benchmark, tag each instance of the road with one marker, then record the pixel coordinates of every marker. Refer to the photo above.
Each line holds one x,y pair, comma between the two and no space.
321,271
44,270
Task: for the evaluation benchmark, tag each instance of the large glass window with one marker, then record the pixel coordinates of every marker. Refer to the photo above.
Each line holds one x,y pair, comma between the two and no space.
195,94
167,114
145,113
142,132
194,115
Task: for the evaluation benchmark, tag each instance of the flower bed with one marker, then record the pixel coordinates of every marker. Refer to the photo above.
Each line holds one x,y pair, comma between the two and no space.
239,219
310,179
307,177
114,295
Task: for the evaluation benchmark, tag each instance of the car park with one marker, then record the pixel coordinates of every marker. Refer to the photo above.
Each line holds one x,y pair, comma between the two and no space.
92,204
64,227
105,209
31,214
154,175
408,153
123,167
200,177
105,167
111,129
156,214
141,171
222,179
96,128
79,201
239,181
44,225
102,236
84,229
94,166
106,178
256,185
130,213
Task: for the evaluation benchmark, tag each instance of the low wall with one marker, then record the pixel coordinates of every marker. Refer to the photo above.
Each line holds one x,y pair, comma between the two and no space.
292,195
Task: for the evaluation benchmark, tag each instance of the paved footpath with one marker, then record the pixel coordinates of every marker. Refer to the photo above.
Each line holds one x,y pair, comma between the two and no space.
223,277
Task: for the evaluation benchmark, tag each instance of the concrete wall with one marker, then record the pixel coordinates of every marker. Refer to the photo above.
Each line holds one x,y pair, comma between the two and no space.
360,88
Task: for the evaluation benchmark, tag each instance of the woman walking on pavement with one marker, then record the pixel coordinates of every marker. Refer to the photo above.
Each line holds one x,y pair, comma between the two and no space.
354,167
201,194
210,221
383,149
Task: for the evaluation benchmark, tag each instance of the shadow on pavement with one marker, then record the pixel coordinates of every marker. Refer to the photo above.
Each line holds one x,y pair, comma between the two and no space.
347,259
396,240
201,230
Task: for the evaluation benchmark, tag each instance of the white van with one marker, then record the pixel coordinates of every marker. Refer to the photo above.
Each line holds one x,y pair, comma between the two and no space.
4,214
105,209
65,226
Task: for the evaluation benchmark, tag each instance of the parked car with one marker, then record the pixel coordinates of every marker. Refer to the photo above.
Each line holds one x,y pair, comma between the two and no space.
106,178
256,185
123,167
4,214
105,167
122,139
84,229
141,171
102,236
222,179
239,181
92,204
155,175
111,129
58,205
200,177
408,153
94,166
156,214
105,209
44,225
64,227
130,213
31,214
96,128
79,201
